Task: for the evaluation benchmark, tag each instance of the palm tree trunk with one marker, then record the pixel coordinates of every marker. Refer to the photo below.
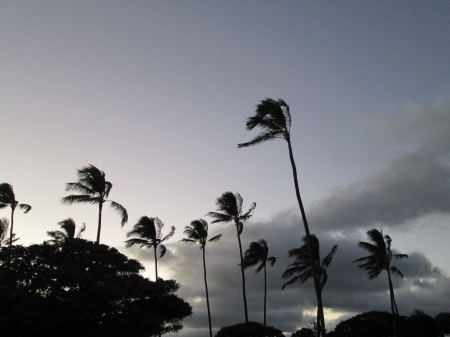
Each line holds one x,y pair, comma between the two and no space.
265,294
11,234
308,235
207,295
243,282
100,206
391,291
156,263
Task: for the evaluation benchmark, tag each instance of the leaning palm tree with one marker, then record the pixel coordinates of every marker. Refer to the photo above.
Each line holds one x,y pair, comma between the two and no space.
302,269
380,258
147,233
197,233
68,227
8,199
274,118
229,207
258,252
94,190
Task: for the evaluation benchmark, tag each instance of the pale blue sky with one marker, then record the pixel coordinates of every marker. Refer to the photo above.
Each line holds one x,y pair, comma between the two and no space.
156,94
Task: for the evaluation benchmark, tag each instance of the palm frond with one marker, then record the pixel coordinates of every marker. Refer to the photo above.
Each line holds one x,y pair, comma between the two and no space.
189,241
168,236
215,238
82,199
162,251
239,227
219,217
138,242
26,208
272,260
7,194
121,210
79,187
262,137
394,270
81,231
400,256
291,281
327,260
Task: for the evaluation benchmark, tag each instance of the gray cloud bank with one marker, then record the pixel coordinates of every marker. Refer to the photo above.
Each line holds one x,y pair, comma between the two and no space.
412,186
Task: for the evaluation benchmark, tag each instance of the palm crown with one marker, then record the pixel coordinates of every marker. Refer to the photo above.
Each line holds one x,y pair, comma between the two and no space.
94,190
380,256
301,267
273,117
197,232
147,233
68,227
258,253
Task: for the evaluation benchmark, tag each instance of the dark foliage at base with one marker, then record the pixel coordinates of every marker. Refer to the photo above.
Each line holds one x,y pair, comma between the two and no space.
304,332
254,330
78,288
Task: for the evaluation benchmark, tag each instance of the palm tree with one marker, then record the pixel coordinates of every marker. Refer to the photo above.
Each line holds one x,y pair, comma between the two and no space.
274,118
229,207
8,199
68,227
94,190
380,258
197,232
147,233
258,252
302,269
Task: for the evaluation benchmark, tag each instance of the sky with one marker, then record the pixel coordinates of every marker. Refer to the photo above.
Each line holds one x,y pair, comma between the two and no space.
156,94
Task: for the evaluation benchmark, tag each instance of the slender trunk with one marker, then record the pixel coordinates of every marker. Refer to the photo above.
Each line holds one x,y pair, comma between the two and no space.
308,235
243,283
100,206
265,295
156,262
391,291
207,295
11,235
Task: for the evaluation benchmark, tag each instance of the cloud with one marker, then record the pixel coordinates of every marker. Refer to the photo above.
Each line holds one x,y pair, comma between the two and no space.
414,185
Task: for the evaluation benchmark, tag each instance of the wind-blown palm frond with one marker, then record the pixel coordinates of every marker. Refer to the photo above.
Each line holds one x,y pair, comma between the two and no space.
4,224
68,227
380,258
147,233
301,267
94,190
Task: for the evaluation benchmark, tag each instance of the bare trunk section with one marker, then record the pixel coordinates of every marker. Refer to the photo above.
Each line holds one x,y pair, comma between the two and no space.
11,234
100,206
207,294
393,305
320,318
243,281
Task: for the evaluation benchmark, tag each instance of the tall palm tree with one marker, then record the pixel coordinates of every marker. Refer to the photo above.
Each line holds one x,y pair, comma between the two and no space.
147,233
197,233
302,268
68,227
380,258
258,252
94,190
229,207
8,199
274,118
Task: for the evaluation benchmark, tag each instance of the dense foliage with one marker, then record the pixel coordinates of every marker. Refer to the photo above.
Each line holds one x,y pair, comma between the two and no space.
254,330
78,288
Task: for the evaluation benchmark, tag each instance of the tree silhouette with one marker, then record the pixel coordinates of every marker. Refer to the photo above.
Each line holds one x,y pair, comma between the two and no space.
8,199
380,258
147,233
68,227
258,252
274,118
95,191
302,269
229,207
4,224
197,233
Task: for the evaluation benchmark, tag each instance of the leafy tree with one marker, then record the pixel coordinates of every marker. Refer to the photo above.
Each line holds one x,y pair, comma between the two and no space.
304,332
368,324
302,269
147,233
229,207
418,324
68,227
94,190
442,322
8,199
258,253
79,288
380,259
197,233
254,330
274,118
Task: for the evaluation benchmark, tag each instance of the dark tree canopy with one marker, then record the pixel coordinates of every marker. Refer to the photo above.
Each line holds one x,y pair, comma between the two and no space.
418,324
442,321
254,330
78,288
304,332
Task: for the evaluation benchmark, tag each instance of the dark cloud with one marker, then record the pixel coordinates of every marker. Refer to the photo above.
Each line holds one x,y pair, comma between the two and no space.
412,186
